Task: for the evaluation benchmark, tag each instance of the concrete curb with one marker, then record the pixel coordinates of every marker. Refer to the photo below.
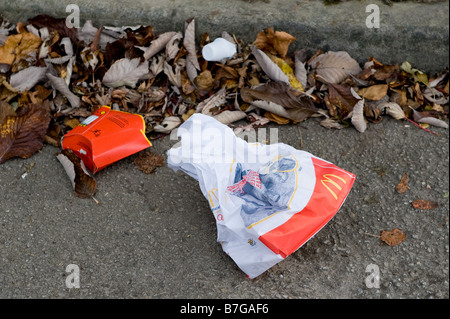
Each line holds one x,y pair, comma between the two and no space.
418,33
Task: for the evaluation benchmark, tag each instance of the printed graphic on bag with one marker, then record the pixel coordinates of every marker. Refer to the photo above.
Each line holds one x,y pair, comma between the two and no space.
267,191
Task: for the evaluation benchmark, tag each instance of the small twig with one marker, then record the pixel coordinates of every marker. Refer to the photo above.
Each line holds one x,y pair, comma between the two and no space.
371,235
301,136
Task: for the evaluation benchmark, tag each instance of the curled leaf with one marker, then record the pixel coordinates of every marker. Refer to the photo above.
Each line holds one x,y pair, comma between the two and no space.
330,123
358,120
167,125
26,79
421,117
269,67
280,98
60,85
158,44
276,42
84,185
393,109
192,65
424,204
228,117
403,185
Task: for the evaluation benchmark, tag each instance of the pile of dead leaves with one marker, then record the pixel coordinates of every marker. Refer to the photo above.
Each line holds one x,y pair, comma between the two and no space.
52,77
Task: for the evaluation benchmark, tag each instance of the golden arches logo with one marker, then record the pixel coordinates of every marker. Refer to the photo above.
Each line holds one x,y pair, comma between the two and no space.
328,180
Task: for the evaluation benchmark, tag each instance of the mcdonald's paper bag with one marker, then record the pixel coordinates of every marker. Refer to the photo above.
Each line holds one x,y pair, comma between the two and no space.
268,200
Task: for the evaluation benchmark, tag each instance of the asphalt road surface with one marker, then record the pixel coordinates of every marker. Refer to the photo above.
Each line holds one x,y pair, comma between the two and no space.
154,236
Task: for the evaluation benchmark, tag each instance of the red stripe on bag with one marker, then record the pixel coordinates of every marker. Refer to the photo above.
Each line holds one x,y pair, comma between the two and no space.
332,187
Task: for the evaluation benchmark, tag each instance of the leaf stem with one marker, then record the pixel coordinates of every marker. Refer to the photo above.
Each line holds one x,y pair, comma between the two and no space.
421,126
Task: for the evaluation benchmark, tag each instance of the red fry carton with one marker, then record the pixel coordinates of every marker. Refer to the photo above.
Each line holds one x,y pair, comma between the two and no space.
106,137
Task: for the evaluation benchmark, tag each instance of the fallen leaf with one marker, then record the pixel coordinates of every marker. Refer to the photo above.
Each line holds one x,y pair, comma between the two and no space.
192,65
334,67
60,85
330,123
424,204
300,70
167,125
374,92
392,237
204,81
22,133
276,42
280,98
84,185
125,72
17,47
228,117
148,162
403,185
26,79
269,67
276,118
393,109
358,120
342,99
215,100
418,75
159,44
423,117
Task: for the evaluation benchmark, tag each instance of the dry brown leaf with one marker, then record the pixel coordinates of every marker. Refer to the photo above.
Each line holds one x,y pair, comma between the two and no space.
17,47
27,78
22,133
204,81
158,44
424,204
84,185
276,118
148,162
374,92
125,72
281,99
392,237
358,120
192,65
275,42
341,99
424,117
228,117
403,185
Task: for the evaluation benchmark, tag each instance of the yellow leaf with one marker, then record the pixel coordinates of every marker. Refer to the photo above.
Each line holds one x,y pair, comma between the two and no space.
288,71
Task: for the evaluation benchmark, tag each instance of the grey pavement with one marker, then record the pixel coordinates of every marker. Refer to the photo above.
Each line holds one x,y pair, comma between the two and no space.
154,236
